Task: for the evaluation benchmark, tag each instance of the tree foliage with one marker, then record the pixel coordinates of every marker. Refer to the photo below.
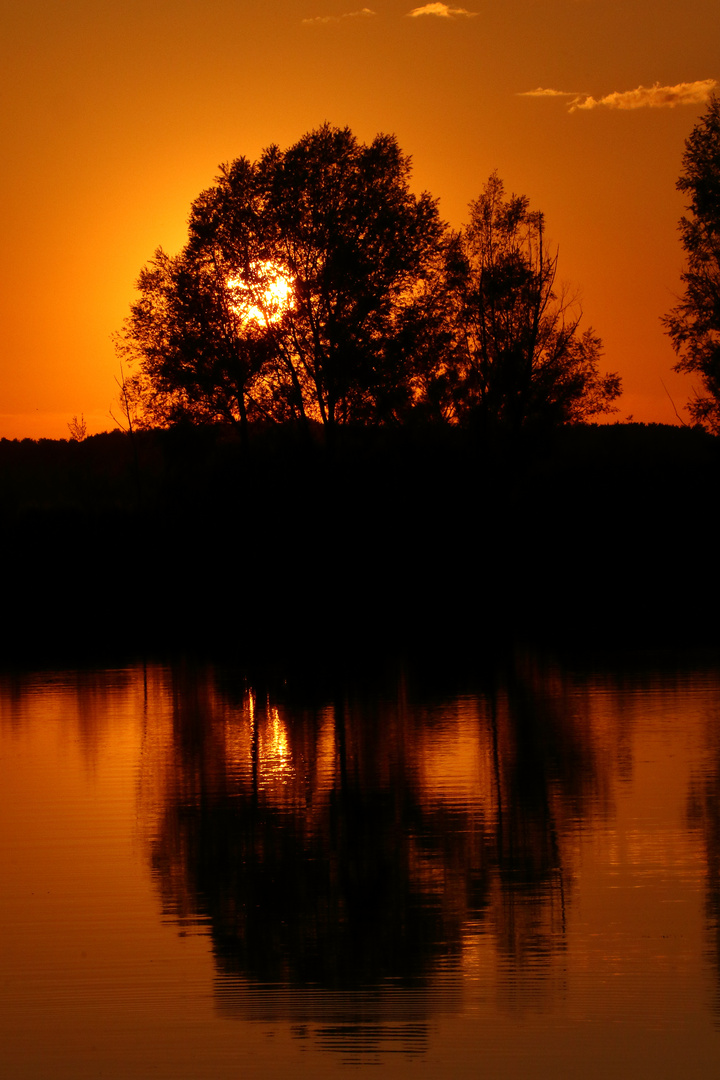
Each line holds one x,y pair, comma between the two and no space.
199,358
315,285
694,323
517,355
336,220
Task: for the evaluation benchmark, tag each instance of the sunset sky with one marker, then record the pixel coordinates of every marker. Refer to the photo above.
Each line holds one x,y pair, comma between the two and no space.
116,115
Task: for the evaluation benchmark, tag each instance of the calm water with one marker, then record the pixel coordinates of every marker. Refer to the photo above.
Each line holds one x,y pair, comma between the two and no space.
210,874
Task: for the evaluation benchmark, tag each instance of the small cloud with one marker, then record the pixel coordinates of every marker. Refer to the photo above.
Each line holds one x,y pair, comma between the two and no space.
362,14
651,97
444,11
547,93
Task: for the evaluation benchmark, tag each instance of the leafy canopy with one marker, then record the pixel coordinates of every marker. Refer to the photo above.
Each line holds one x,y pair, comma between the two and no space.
316,286
517,355
336,222
694,323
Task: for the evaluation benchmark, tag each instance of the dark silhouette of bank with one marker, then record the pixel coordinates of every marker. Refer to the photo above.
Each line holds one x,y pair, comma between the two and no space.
395,538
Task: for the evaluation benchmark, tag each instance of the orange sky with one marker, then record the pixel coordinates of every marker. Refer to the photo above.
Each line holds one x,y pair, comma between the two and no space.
116,115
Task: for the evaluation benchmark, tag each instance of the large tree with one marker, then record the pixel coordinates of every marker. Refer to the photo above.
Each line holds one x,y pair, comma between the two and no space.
694,323
516,353
335,222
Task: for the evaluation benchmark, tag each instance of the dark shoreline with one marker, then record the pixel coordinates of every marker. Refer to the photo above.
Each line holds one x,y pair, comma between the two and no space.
597,536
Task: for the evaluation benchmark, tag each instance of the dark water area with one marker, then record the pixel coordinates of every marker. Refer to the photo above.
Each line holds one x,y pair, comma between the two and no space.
507,866
186,539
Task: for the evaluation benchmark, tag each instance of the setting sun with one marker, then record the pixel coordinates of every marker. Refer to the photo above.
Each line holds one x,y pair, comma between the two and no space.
265,300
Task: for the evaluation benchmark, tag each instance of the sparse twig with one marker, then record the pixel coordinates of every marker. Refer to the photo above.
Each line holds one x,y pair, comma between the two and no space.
77,428
130,430
673,404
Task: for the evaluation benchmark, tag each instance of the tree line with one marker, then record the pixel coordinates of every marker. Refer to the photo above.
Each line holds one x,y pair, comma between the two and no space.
316,287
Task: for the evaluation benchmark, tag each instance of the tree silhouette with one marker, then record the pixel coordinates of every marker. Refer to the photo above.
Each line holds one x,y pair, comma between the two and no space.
315,286
200,357
357,243
694,323
336,222
517,354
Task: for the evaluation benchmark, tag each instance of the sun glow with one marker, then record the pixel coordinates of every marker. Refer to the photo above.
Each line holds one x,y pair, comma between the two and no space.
266,297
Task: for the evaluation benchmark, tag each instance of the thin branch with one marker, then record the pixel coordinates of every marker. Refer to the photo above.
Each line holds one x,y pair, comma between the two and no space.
673,404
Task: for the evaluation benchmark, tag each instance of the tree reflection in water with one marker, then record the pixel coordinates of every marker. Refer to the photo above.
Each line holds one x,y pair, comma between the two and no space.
351,843
514,874
704,816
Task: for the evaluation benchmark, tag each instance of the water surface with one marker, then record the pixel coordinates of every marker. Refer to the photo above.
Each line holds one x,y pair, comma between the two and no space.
213,873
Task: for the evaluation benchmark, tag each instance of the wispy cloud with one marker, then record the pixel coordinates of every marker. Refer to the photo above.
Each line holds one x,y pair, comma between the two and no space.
645,97
362,14
651,97
444,11
547,93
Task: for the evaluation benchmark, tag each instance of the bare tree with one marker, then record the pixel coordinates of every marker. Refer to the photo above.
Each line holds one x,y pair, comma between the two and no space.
77,429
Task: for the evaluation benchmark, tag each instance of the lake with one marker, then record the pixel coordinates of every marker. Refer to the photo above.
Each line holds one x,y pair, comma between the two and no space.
507,870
